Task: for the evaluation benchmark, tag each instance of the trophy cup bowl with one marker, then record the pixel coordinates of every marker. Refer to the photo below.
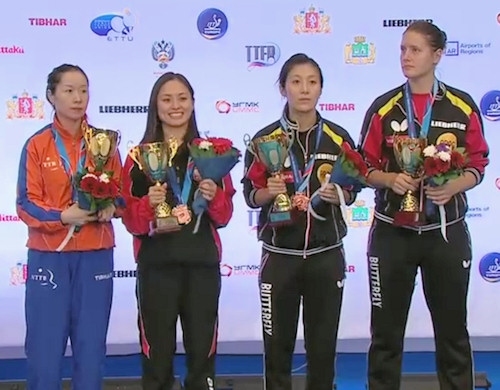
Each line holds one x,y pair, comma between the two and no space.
153,159
409,156
102,145
272,151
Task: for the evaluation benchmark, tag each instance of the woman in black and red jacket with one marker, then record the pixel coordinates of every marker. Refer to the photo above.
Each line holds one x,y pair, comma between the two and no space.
305,259
178,272
445,115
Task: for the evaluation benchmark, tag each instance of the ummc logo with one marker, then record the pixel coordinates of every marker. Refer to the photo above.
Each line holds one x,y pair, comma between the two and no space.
225,107
228,270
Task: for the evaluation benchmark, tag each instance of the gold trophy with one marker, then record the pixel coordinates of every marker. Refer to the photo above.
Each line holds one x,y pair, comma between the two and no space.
102,144
154,159
272,150
409,156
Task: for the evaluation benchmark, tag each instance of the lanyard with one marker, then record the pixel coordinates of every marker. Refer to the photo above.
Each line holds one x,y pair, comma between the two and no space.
410,112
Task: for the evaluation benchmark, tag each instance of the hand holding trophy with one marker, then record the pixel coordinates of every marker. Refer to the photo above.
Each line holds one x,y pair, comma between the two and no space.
272,150
409,156
153,159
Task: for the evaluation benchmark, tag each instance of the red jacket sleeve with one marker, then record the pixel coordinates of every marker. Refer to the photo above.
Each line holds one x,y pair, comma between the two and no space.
220,209
31,206
137,214
476,147
255,177
370,144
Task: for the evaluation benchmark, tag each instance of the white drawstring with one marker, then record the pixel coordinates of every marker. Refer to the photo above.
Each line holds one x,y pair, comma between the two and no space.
66,239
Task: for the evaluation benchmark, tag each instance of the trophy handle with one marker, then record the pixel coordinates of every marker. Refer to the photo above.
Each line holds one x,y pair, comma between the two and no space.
173,146
134,152
87,132
247,141
119,137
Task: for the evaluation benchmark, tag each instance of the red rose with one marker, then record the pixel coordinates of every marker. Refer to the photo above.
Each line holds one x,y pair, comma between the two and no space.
430,166
197,141
221,145
88,184
443,166
457,160
113,189
100,191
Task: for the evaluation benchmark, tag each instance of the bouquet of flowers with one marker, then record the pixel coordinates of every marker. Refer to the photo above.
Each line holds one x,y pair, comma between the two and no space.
96,189
214,158
349,170
441,164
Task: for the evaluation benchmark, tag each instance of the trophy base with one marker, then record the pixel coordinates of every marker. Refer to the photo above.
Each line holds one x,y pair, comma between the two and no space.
165,225
409,218
280,218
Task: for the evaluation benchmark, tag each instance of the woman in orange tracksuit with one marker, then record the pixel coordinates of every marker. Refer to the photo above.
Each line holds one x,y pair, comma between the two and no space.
69,285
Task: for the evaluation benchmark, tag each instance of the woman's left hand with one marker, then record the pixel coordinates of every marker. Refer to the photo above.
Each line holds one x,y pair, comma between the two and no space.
442,194
208,189
105,215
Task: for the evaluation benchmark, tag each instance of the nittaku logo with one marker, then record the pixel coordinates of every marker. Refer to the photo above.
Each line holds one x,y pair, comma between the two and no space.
359,52
212,23
489,267
337,106
11,50
312,21
25,106
123,109
115,27
48,22
455,48
225,107
259,56
9,218
490,105
163,52
401,22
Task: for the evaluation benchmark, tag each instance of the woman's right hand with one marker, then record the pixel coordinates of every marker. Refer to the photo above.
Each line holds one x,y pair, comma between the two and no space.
74,215
157,194
275,186
400,183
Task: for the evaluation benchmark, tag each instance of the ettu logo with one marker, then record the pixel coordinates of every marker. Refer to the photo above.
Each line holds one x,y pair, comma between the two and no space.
489,267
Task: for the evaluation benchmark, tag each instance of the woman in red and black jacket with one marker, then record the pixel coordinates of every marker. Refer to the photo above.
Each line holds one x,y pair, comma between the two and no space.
444,115
178,272
304,260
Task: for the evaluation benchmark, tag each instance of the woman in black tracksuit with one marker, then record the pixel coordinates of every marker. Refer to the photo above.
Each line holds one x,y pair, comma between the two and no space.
395,252
304,259
178,272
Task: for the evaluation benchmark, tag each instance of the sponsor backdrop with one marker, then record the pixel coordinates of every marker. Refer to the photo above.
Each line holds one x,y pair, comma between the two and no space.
232,53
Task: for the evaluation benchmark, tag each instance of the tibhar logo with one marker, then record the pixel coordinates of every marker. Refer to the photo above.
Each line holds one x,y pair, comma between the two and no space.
265,301
375,282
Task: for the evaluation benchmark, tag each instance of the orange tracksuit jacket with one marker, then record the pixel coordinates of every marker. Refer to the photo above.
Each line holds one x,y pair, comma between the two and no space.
44,191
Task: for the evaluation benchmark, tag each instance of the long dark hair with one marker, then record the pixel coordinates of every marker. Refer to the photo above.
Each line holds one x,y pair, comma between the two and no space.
154,132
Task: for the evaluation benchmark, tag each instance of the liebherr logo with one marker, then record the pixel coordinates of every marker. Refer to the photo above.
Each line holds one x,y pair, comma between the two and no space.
375,282
265,299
